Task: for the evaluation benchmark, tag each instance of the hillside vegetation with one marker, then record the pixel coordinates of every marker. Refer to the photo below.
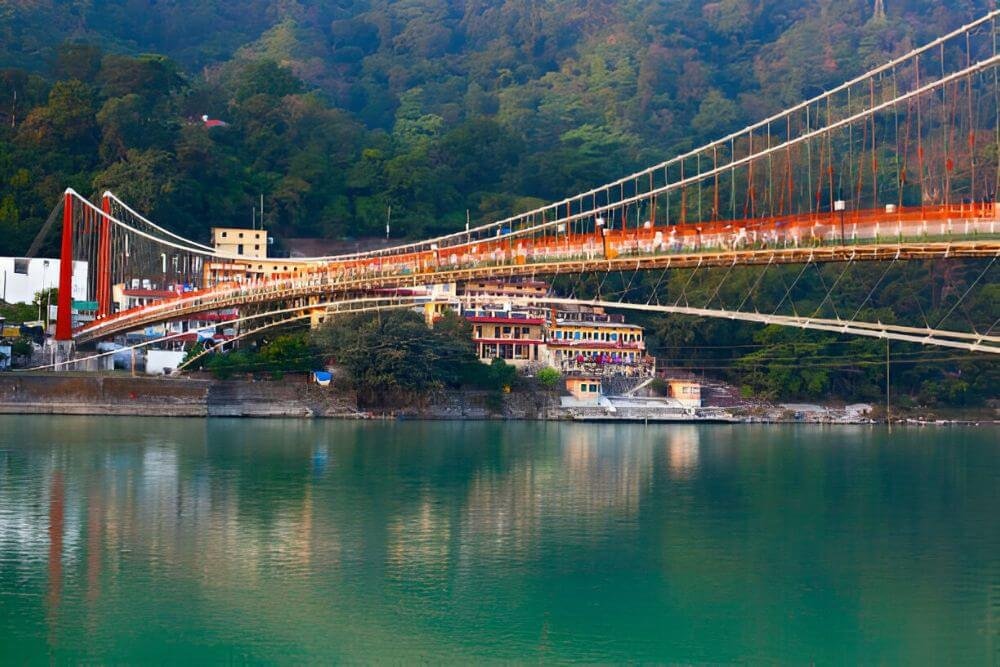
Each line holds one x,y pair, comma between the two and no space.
337,110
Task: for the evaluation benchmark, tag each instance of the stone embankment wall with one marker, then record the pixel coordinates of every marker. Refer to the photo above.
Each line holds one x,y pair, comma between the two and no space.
473,404
77,394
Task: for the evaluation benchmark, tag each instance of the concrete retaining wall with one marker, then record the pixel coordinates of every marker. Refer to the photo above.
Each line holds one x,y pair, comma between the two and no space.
54,393
77,394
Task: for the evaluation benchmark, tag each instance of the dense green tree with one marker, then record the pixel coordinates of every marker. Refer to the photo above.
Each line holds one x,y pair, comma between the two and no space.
336,111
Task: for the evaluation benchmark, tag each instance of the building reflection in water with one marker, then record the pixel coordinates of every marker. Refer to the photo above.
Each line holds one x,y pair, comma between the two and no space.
368,533
171,504
682,450
583,484
202,511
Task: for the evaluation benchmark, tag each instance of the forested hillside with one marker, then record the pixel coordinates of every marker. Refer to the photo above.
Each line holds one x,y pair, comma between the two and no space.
337,110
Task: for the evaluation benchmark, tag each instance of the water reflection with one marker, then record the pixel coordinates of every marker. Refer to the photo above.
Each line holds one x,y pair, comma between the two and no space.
682,448
338,540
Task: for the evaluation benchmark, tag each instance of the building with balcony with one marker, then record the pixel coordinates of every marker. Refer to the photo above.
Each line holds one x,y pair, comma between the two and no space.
517,337
598,346
504,289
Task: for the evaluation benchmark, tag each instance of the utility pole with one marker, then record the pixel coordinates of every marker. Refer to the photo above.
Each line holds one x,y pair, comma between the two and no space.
262,210
388,220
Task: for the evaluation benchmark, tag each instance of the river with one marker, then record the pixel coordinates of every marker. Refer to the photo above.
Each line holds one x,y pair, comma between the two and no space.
291,541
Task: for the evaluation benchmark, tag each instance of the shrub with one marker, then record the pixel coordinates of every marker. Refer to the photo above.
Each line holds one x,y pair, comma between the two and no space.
548,377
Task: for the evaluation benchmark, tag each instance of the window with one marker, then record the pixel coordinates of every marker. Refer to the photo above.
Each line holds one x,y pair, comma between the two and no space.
576,335
506,330
239,249
256,247
593,388
225,234
614,336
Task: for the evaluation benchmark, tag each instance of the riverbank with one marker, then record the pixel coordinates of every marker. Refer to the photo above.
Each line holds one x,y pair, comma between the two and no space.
294,396
95,394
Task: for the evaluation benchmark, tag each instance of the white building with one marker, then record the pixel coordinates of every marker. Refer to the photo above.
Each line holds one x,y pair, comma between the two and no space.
21,279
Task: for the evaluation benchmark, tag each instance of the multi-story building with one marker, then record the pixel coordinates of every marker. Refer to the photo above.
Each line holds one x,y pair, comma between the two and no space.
516,336
247,244
250,243
504,289
593,342
579,340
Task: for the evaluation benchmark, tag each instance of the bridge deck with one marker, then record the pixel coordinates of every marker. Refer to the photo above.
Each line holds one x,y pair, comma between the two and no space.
332,280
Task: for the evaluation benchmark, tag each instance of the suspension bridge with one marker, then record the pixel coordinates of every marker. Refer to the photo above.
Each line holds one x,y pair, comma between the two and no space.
899,164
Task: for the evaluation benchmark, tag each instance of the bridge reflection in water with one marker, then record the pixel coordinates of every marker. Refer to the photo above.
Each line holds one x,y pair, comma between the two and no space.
314,541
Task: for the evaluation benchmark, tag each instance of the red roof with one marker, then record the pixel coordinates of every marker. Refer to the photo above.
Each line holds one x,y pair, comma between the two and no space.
480,319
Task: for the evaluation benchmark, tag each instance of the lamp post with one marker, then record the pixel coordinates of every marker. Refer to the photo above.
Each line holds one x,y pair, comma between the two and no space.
599,230
45,268
840,205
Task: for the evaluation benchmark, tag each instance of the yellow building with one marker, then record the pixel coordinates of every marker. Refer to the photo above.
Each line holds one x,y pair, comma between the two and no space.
685,392
241,242
577,346
585,388
250,244
516,337
504,288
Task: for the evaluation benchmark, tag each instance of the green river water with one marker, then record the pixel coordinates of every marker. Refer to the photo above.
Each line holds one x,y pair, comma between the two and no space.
276,541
